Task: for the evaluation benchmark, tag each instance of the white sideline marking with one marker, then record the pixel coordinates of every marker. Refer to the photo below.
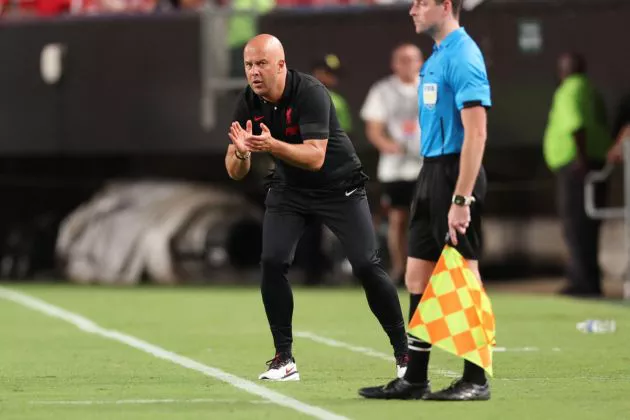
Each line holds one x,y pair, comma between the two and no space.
90,327
363,350
162,401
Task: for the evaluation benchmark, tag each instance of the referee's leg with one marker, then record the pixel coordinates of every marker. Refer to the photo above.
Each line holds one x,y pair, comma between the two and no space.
349,218
426,240
282,228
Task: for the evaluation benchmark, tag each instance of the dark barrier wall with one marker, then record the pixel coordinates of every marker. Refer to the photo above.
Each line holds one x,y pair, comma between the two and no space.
133,84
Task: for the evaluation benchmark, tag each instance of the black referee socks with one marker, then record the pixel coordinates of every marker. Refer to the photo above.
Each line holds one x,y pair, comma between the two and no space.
419,351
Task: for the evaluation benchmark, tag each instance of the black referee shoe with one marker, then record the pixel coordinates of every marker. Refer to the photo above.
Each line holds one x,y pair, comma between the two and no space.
461,390
398,389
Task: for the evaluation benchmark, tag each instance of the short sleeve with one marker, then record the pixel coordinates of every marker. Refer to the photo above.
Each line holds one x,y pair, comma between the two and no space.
241,112
469,80
314,107
373,108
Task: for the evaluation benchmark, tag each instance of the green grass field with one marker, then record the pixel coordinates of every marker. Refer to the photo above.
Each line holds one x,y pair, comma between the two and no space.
50,369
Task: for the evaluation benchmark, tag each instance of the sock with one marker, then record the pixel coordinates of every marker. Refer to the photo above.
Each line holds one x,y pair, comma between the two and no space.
414,300
474,373
419,352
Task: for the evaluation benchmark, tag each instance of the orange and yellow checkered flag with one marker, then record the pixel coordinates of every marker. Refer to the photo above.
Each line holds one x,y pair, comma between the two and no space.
455,313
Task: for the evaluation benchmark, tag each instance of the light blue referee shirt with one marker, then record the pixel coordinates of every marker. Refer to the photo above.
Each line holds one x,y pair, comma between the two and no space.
453,78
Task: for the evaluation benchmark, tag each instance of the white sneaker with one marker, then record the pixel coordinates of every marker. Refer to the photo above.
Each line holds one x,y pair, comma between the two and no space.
281,369
401,365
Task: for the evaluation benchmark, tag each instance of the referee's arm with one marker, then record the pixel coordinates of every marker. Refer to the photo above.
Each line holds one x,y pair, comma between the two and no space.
469,80
474,120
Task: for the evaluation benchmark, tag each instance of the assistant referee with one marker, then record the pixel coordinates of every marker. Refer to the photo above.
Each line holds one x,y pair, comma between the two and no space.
318,177
454,94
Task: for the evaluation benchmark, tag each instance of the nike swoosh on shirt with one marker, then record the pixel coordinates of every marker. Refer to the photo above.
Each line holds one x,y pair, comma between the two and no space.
349,193
256,119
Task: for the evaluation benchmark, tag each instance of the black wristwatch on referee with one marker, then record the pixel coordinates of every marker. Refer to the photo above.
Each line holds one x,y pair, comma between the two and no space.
462,200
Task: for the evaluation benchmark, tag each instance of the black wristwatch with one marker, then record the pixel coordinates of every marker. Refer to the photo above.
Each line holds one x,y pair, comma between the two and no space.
462,200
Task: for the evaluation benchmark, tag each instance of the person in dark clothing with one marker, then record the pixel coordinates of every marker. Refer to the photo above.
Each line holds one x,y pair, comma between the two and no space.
317,176
576,141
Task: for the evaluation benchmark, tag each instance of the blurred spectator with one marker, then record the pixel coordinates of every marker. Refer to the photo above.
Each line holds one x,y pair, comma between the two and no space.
390,112
328,71
187,4
113,6
43,8
621,130
49,8
576,141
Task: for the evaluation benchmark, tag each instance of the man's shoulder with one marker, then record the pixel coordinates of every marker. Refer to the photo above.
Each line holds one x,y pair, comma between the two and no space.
466,54
466,48
574,84
304,81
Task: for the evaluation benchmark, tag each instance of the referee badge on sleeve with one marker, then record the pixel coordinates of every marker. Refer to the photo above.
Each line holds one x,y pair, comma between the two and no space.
430,95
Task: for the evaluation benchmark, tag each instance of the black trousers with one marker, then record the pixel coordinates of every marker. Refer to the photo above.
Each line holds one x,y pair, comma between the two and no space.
347,215
581,233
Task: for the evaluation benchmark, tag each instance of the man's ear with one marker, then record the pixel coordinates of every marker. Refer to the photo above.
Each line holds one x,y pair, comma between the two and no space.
281,65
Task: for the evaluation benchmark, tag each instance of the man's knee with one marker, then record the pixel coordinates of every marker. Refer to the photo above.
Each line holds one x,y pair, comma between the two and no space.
363,266
418,275
274,264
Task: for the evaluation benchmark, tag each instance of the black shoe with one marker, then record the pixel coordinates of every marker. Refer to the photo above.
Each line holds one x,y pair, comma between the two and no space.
461,390
398,389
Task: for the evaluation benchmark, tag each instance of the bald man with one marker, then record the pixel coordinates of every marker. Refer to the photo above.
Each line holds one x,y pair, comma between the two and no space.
317,177
390,112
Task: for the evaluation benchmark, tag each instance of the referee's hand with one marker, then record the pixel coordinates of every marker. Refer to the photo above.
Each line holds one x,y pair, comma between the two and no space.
458,221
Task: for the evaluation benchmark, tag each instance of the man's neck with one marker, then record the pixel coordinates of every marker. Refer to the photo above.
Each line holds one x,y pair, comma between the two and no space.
449,26
275,96
409,82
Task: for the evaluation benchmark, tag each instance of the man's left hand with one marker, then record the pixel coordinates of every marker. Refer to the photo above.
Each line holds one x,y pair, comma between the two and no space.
262,143
458,221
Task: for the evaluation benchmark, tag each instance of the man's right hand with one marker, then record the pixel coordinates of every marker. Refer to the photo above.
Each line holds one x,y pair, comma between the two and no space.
238,135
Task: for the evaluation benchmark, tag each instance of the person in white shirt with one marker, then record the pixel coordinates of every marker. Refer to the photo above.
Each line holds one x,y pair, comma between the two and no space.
390,113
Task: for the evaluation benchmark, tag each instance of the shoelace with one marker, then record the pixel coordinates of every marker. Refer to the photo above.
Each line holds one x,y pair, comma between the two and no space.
274,363
454,384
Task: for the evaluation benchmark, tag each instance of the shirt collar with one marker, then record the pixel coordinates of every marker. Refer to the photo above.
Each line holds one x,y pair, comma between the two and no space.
286,94
288,88
450,38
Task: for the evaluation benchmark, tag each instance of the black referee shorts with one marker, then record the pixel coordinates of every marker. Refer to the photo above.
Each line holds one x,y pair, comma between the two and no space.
428,223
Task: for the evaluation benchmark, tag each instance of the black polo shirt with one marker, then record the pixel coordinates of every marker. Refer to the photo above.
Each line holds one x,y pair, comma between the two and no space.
305,112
